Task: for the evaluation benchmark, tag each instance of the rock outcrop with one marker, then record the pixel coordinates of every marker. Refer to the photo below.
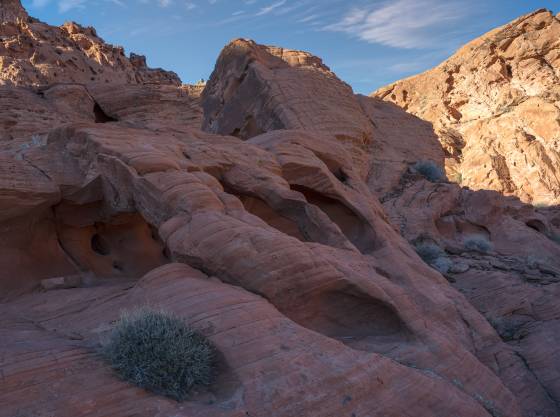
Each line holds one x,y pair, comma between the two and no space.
495,106
12,11
255,89
33,53
253,212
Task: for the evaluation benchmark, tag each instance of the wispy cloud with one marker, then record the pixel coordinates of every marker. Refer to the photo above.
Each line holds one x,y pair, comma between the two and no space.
403,23
66,5
272,7
165,3
308,18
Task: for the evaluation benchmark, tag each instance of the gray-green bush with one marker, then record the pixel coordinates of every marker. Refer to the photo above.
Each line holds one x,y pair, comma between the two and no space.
429,170
434,256
478,243
428,251
555,237
158,352
442,264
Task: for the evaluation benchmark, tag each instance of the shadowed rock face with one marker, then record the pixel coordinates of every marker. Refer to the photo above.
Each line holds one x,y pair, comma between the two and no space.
11,11
495,108
284,242
255,89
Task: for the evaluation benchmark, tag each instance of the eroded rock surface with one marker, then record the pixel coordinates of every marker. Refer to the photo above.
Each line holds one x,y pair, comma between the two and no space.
12,11
35,53
273,242
495,106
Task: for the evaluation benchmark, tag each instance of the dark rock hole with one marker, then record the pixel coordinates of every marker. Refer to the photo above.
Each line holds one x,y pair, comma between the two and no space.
100,245
536,225
101,116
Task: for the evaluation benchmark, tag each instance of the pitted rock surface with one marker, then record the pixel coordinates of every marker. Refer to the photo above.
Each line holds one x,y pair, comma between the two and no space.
274,213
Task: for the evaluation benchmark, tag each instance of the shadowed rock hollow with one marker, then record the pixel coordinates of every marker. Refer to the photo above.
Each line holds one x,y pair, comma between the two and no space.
273,213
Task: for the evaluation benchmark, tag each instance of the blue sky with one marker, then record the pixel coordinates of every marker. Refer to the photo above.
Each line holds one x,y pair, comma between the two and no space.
368,43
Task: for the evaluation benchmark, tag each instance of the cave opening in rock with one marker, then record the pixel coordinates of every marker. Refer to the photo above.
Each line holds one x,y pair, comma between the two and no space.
354,318
261,209
356,230
536,225
118,246
101,116
99,245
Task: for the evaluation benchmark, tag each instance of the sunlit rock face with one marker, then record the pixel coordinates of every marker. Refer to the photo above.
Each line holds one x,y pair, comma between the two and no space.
495,107
274,213
33,53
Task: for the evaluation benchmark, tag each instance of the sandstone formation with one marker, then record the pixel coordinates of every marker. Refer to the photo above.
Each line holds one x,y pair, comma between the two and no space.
273,213
34,53
12,11
495,106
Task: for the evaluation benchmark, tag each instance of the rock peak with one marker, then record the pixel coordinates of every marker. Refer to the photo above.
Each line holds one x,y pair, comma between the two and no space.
11,10
494,84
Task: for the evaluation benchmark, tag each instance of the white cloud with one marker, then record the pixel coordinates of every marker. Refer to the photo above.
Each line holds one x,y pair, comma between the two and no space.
66,5
272,7
161,3
308,18
403,23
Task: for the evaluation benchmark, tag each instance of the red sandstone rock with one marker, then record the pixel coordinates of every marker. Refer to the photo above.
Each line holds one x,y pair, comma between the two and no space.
255,89
12,11
315,300
494,106
34,53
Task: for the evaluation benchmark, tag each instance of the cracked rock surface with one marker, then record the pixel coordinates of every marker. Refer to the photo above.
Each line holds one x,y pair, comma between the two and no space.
495,107
274,212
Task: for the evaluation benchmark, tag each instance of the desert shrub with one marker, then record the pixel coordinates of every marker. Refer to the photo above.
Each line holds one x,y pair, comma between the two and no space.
428,251
429,170
478,243
555,237
442,264
434,256
158,352
505,327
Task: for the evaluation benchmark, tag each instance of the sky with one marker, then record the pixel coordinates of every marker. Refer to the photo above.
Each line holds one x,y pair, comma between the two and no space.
367,43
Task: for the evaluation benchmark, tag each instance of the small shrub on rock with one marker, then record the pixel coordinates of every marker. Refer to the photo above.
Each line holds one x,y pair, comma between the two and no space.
428,251
555,237
158,352
442,264
429,170
434,256
505,327
478,244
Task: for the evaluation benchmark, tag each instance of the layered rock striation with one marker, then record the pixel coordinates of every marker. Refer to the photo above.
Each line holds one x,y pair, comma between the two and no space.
274,214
